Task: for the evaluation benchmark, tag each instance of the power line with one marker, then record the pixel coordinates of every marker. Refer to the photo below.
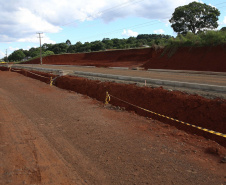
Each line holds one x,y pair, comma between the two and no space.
123,4
219,3
39,36
106,10
222,6
134,26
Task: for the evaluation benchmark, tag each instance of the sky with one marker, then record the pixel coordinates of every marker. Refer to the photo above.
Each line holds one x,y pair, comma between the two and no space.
86,20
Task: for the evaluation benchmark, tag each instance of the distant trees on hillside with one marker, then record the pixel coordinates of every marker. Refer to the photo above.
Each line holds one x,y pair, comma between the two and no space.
16,55
60,48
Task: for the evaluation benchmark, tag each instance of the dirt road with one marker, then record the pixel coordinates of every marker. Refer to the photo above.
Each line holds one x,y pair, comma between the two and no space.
53,136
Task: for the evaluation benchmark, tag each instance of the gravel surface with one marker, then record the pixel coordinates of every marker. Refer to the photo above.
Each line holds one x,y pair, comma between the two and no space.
53,136
183,77
203,93
211,79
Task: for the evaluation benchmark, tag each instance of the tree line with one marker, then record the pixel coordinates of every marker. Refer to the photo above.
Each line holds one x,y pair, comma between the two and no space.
142,40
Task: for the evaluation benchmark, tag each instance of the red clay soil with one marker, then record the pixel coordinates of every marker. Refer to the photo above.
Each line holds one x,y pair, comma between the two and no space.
51,136
183,58
193,109
116,58
191,58
4,68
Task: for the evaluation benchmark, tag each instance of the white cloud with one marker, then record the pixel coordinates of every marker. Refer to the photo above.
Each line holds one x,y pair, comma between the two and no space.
160,31
34,39
20,20
129,33
12,49
224,21
148,9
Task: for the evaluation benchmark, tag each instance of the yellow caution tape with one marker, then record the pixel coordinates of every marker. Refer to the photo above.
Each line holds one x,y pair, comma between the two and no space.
198,127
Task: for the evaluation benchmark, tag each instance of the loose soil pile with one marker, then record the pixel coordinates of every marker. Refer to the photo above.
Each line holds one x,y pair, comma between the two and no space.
193,109
183,58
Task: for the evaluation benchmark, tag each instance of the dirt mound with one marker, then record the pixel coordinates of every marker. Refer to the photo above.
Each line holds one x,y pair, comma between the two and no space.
191,58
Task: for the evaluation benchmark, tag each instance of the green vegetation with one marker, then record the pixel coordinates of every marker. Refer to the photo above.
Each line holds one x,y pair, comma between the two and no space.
208,38
16,55
194,17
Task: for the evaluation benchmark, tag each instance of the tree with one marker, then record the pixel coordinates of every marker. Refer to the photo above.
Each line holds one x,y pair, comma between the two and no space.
194,17
108,43
97,46
71,49
223,29
68,42
59,48
46,46
78,46
33,52
47,53
16,55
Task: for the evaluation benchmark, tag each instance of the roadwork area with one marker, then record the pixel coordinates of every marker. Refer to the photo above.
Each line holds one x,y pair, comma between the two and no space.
200,77
204,83
54,136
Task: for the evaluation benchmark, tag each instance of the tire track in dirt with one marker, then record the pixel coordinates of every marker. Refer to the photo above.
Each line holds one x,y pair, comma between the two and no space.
29,156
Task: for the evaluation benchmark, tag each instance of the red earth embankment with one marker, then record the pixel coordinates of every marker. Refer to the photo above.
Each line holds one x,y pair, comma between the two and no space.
115,58
193,109
191,58
209,58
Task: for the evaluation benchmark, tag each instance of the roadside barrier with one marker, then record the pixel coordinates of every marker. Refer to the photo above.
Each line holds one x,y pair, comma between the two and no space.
108,98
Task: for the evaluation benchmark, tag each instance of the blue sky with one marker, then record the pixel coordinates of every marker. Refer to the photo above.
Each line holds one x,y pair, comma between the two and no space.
85,20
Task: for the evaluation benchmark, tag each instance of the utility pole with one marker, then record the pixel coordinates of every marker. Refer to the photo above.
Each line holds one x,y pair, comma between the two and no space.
6,56
39,36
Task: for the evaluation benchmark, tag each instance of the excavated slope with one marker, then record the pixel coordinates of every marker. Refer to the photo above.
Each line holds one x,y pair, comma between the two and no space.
182,58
